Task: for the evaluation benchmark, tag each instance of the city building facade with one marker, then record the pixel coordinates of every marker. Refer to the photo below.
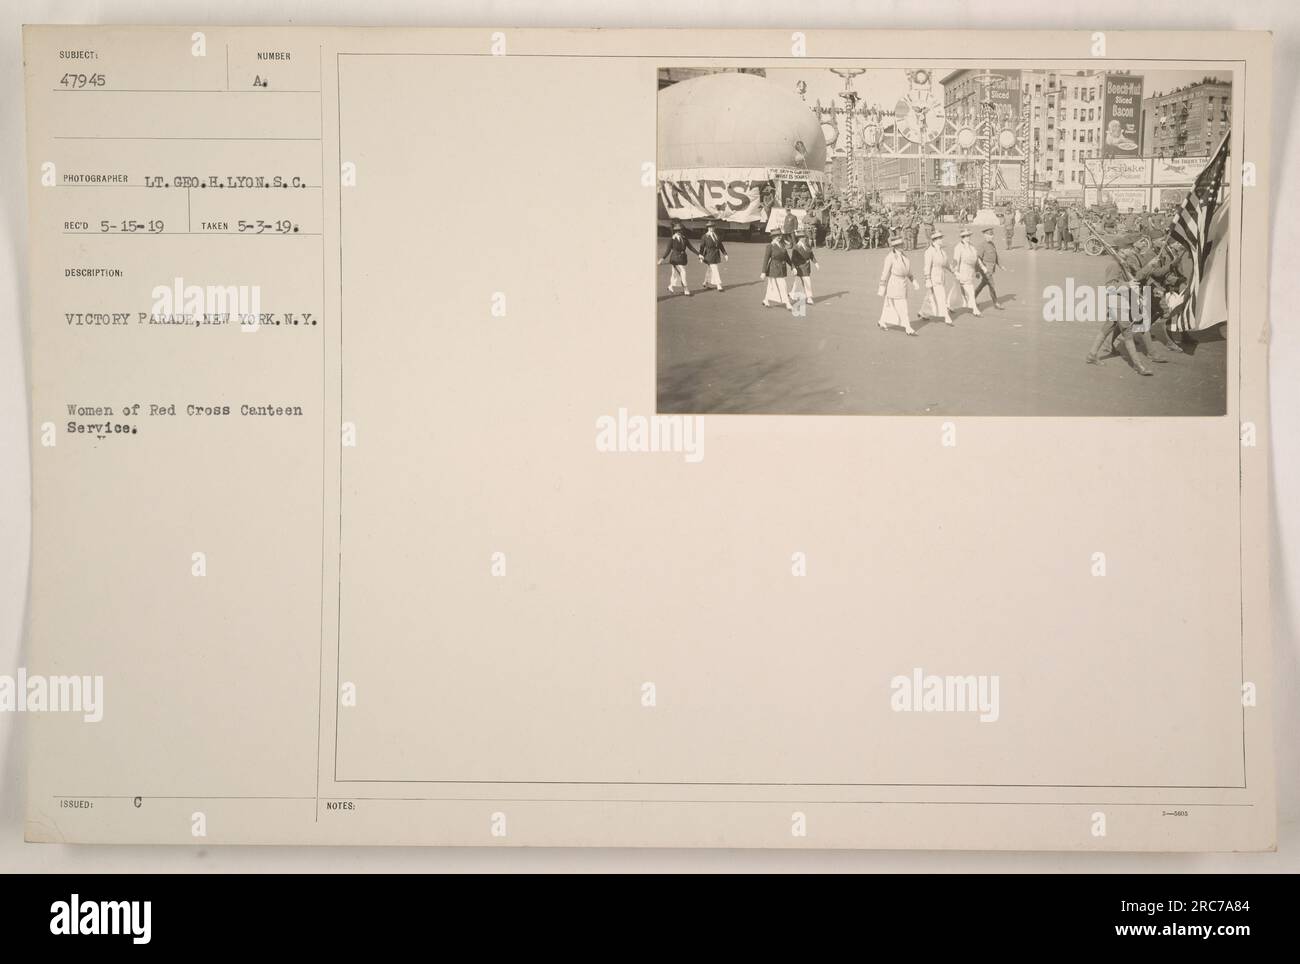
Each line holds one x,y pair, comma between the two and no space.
1189,121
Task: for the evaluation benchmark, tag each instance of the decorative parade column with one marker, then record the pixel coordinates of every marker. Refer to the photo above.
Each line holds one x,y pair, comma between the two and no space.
849,112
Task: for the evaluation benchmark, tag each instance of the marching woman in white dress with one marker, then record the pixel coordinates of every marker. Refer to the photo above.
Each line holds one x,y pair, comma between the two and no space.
966,266
893,287
936,297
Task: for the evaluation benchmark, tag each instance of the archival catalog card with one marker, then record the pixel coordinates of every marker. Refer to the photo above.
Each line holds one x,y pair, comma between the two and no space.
652,438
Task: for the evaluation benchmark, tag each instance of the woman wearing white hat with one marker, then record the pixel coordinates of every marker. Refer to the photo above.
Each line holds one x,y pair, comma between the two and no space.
936,288
893,286
966,265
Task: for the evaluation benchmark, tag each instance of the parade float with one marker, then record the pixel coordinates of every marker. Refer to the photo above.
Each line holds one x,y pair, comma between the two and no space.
737,149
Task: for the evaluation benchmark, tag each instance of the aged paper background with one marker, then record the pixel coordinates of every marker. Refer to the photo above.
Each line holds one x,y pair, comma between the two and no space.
605,505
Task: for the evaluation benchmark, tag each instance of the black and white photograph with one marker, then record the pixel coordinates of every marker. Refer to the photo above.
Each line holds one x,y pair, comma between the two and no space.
929,240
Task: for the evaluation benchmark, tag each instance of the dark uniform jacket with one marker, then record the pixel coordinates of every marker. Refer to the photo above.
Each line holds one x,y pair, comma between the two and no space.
776,260
1116,275
678,245
1129,305
801,256
712,249
989,255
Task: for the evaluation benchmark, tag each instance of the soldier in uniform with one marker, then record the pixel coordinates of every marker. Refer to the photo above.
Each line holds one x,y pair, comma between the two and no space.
805,262
927,224
1074,225
1123,302
986,267
675,255
1009,226
913,226
1031,228
1155,271
813,222
712,251
1049,228
894,279
1168,280
936,288
776,262
966,263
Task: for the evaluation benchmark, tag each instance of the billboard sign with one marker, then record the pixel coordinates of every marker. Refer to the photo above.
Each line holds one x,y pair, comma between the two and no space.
1126,199
1003,87
1122,116
1178,170
1117,172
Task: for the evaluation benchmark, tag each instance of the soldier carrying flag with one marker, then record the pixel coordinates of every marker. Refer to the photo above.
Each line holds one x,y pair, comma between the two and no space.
1128,298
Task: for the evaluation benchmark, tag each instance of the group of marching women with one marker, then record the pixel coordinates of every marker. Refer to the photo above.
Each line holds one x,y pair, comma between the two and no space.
711,252
973,269
790,260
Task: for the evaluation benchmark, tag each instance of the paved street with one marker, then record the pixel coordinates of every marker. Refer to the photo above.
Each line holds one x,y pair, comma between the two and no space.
723,352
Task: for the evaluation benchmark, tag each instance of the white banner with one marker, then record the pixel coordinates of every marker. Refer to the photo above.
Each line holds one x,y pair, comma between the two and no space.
728,194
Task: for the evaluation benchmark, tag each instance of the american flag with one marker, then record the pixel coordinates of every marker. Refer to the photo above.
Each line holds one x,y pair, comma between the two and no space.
1191,229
